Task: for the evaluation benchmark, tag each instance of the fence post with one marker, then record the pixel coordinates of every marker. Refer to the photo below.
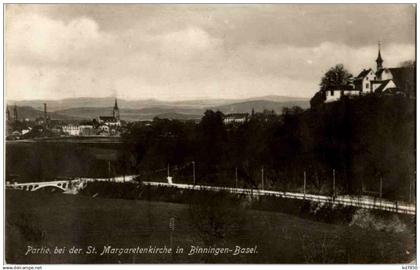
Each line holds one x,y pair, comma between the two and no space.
304,185
236,177
380,187
333,184
409,194
109,170
262,178
193,163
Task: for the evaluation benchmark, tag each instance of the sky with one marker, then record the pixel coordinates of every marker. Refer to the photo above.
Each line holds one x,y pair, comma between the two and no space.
195,51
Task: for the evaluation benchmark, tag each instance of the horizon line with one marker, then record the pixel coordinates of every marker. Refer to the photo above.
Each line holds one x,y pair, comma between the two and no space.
157,99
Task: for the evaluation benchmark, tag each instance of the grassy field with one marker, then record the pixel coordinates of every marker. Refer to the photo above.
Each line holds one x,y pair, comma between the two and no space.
59,220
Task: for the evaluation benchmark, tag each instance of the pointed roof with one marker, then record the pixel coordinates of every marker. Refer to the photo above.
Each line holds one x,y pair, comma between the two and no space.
382,86
107,118
380,71
405,79
363,74
116,105
379,59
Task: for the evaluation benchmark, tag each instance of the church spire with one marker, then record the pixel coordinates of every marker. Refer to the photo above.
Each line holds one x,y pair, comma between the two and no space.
116,105
379,60
7,113
15,113
116,111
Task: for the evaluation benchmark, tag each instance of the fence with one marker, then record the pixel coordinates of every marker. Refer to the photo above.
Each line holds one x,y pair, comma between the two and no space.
361,202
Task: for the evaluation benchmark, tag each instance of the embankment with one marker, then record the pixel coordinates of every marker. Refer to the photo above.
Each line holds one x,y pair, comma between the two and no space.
323,212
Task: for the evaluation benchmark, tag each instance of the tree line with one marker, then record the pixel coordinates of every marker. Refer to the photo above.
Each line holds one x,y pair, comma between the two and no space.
366,145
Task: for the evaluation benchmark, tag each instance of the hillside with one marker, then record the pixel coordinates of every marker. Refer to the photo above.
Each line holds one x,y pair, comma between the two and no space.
178,116
63,104
31,114
86,102
180,112
174,110
134,114
260,105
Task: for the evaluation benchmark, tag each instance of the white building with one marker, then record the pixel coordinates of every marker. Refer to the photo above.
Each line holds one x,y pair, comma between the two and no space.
235,118
87,130
363,82
110,121
114,120
78,130
72,130
399,80
335,93
386,80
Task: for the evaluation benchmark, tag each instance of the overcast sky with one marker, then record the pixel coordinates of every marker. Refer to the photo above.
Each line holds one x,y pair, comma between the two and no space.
178,52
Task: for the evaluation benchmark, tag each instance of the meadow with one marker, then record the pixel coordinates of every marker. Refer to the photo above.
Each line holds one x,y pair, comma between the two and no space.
50,220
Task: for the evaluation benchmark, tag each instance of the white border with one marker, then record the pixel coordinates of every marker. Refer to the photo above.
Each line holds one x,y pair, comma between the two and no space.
192,266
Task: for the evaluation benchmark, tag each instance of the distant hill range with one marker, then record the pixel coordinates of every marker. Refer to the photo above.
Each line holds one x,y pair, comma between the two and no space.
260,105
89,108
134,114
32,114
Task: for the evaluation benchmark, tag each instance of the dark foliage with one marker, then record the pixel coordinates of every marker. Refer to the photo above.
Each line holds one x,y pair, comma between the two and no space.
336,76
318,99
217,215
364,140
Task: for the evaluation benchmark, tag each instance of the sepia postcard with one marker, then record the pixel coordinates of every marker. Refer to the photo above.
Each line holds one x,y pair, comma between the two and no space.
209,133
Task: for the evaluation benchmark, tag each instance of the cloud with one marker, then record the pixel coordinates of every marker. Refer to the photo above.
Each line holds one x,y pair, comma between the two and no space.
32,38
309,63
51,58
191,38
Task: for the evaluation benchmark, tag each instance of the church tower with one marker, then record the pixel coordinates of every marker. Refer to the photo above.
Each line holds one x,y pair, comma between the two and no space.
116,111
7,113
379,60
15,113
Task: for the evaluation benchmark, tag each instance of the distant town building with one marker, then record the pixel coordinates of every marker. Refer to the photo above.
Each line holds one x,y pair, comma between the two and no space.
87,130
71,129
235,118
103,130
7,114
26,130
78,130
109,121
114,120
15,113
103,126
116,111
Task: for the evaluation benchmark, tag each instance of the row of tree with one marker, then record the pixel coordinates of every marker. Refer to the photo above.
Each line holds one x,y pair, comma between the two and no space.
366,144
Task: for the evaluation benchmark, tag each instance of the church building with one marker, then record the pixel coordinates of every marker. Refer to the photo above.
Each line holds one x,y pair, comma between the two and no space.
387,81
114,120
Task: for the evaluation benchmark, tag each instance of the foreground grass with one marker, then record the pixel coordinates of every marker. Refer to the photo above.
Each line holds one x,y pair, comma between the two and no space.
49,220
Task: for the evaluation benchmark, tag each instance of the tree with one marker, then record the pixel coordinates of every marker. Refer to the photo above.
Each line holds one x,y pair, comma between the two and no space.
211,142
318,99
336,76
408,63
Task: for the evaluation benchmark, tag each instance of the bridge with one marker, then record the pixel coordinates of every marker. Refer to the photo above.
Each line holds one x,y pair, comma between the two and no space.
67,186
